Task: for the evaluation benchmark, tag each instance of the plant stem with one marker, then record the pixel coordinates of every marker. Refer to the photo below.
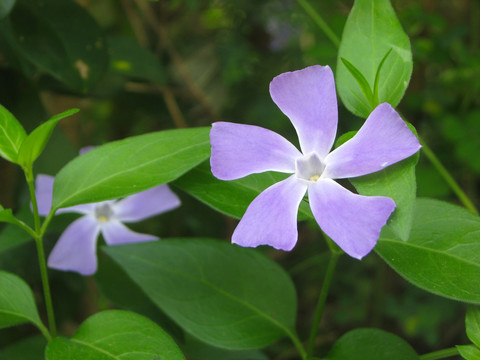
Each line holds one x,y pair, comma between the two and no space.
321,302
41,254
320,22
441,354
447,177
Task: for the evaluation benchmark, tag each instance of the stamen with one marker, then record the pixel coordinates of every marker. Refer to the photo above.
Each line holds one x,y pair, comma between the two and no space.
103,212
309,167
314,177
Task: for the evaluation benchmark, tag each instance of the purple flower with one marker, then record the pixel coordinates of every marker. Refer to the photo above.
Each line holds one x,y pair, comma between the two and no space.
308,98
76,248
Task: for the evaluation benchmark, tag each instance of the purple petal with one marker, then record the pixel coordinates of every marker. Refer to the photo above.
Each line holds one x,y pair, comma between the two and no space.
271,218
240,150
44,193
309,100
353,221
76,248
115,233
145,204
383,140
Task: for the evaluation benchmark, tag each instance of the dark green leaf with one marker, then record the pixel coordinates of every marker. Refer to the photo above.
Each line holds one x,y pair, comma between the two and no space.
12,135
371,30
70,48
29,349
368,344
36,141
17,305
442,252
469,352
201,282
472,324
5,7
128,166
115,335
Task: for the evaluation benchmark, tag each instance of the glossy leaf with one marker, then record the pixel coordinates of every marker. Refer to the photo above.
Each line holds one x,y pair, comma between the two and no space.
12,135
17,305
40,29
227,296
231,197
368,344
469,352
115,334
371,30
36,141
5,7
472,324
128,166
442,254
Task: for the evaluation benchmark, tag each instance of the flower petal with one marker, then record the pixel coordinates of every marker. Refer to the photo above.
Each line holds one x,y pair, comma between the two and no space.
44,193
271,218
76,248
383,140
353,221
115,233
239,150
309,100
146,204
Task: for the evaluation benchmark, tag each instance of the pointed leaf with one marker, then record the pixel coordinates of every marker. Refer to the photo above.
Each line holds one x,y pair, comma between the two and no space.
442,252
128,166
7,216
469,352
225,295
12,135
371,30
361,81
115,335
36,141
472,324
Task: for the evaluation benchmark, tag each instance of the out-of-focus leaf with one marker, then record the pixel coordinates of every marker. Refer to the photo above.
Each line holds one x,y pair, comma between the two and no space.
27,349
472,324
5,7
469,352
12,135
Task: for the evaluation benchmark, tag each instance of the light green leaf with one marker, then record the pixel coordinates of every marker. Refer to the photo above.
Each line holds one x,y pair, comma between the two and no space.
17,305
469,352
472,324
442,254
361,81
368,344
7,216
225,295
36,141
115,335
128,166
12,135
371,31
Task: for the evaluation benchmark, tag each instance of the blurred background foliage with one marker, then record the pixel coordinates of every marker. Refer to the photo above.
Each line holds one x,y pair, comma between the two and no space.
134,66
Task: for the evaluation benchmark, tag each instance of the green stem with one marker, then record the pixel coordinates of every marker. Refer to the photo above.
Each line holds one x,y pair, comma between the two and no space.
320,22
41,253
441,354
447,177
321,302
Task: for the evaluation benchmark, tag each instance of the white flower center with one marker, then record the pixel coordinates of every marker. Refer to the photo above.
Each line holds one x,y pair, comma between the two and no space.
309,167
103,212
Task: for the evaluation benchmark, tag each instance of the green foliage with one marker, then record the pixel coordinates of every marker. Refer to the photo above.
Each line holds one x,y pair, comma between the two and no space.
28,349
201,282
371,32
5,7
469,352
128,166
12,135
442,252
472,323
367,344
113,335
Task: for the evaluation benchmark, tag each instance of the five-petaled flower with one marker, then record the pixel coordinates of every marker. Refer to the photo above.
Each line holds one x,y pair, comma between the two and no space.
76,248
307,97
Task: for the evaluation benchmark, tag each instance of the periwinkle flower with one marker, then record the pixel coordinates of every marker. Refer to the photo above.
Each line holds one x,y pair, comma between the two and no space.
307,97
76,248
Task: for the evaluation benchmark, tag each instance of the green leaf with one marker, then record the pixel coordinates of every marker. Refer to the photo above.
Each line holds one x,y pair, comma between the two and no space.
128,166
368,344
31,348
371,31
5,7
199,283
7,216
469,352
231,197
361,81
17,305
472,324
12,135
112,335
376,101
128,58
70,48
442,254
36,141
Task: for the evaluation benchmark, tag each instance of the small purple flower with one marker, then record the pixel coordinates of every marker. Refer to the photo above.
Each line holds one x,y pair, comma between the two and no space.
309,100
76,248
